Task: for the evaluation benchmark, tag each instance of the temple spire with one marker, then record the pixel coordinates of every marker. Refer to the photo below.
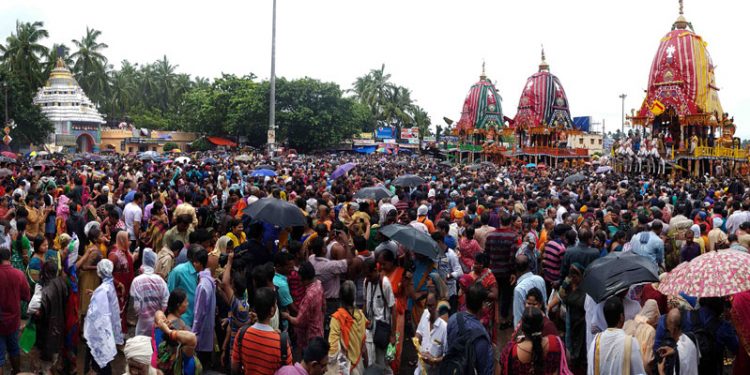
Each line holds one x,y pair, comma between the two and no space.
543,65
483,77
681,22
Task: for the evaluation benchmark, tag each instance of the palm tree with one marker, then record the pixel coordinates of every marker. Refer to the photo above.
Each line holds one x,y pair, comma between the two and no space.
57,51
372,90
90,65
421,121
23,54
166,82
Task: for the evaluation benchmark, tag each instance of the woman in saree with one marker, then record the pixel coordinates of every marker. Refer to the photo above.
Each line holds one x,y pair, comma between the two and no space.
68,256
123,273
481,274
400,282
643,328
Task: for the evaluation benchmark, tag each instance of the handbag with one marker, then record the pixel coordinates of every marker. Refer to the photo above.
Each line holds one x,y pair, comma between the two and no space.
382,335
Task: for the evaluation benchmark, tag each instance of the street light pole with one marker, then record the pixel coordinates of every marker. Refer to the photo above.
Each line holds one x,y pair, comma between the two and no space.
623,96
5,87
272,111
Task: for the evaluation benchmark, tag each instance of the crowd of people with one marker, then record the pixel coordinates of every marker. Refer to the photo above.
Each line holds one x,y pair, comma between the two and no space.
160,263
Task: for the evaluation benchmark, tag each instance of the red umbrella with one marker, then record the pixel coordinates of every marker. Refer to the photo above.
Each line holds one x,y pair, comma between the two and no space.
9,154
713,274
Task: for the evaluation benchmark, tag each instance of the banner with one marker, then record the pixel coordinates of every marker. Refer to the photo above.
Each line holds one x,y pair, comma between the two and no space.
410,133
384,132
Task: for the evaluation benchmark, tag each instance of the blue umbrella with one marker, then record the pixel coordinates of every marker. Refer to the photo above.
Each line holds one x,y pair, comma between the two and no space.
531,165
263,173
342,169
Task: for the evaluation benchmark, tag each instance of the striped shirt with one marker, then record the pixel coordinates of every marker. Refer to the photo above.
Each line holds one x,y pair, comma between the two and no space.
150,293
501,246
260,350
554,251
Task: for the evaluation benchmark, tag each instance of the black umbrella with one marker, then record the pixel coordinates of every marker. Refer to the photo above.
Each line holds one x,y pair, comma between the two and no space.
412,238
275,211
373,192
266,166
616,272
409,180
573,179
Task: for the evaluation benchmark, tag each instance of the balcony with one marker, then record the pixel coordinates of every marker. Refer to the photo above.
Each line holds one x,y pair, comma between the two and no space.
720,153
554,151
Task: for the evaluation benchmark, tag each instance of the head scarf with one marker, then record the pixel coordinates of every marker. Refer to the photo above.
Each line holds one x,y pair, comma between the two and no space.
149,260
139,349
104,269
221,246
89,226
649,313
696,230
717,222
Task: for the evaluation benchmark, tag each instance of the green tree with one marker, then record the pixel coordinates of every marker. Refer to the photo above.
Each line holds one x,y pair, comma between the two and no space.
421,121
90,65
32,127
57,51
169,146
23,53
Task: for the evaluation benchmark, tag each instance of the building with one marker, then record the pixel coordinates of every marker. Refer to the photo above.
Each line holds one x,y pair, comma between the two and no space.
542,124
133,140
682,112
592,142
77,123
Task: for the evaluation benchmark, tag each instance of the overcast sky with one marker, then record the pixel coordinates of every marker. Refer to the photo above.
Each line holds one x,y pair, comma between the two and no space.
599,49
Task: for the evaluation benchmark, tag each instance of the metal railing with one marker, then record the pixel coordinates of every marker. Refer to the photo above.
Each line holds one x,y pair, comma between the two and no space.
720,152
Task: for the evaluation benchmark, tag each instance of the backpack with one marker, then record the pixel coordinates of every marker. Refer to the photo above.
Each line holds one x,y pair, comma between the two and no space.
705,341
461,357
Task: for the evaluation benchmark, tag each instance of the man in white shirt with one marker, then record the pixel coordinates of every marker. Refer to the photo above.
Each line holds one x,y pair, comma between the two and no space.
677,343
432,333
561,210
380,305
132,215
613,352
595,319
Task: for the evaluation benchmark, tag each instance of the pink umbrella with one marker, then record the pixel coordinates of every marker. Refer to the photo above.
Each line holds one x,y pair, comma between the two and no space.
713,274
8,154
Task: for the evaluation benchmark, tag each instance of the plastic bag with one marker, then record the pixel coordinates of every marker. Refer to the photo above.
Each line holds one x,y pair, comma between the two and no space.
28,337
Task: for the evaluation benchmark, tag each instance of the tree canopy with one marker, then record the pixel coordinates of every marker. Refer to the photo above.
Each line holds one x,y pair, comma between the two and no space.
310,114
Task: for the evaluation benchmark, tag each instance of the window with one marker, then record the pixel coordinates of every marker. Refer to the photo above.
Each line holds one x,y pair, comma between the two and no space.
130,149
600,141
592,141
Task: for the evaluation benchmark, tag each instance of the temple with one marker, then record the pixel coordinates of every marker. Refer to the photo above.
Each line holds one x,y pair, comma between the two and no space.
543,123
681,112
481,122
76,121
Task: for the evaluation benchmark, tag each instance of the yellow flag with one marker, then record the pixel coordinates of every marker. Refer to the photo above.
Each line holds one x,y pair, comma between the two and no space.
657,107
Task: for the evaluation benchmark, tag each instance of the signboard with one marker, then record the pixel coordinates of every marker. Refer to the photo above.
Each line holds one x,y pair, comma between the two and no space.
449,139
384,132
413,141
364,135
409,133
429,139
389,141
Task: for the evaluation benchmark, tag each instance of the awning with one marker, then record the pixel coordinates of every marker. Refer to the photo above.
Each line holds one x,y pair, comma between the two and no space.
218,141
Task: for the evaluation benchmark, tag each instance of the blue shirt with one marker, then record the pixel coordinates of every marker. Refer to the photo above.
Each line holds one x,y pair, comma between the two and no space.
524,284
450,242
185,277
648,244
484,361
285,297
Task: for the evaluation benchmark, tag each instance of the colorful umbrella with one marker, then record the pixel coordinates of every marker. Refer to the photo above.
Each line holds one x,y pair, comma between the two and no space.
9,154
263,173
531,165
175,151
713,274
342,170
